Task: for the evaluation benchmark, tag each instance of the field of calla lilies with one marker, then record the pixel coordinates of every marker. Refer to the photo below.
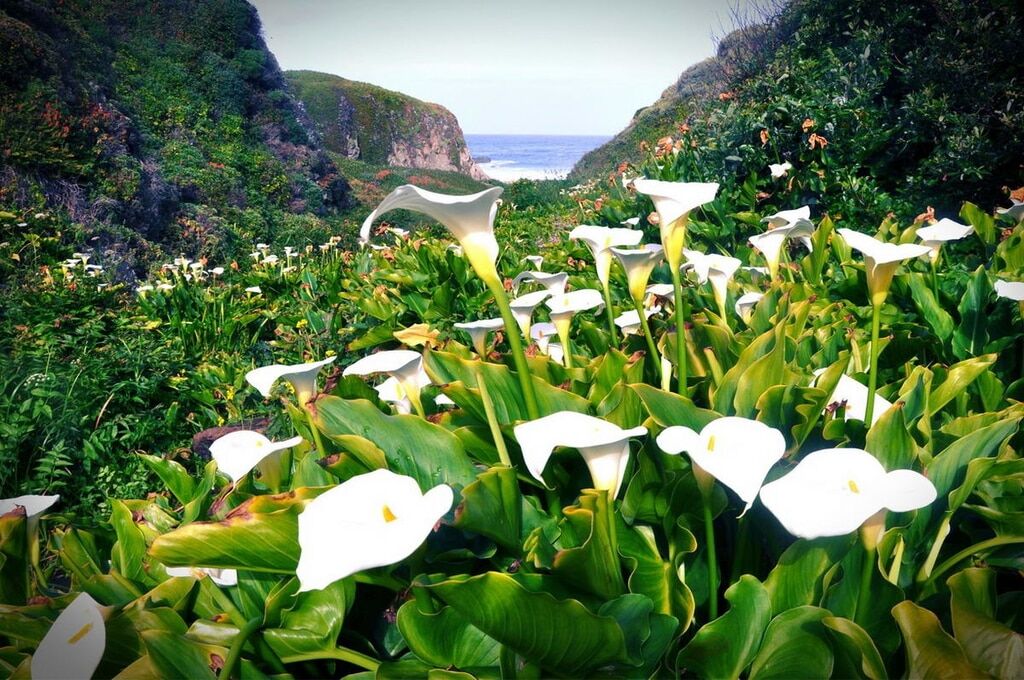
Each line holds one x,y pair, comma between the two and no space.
642,449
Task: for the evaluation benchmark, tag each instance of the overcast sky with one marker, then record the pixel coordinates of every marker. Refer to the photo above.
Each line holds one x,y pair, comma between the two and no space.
508,66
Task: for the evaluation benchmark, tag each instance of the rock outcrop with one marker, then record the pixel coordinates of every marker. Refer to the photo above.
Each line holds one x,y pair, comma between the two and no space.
383,127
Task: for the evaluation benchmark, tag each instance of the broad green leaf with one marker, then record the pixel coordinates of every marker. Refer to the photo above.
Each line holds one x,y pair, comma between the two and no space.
13,562
559,635
589,556
412,446
659,580
796,579
492,506
989,645
928,307
445,638
669,409
727,645
313,621
854,650
983,223
724,396
930,651
795,645
889,441
971,335
958,378
762,373
131,544
175,656
176,478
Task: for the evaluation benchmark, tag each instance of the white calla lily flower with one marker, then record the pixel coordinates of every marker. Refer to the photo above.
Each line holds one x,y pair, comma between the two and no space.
855,396
222,577
600,240
779,170
371,520
638,264
942,231
745,305
74,644
470,219
523,307
392,391
237,453
783,225
541,333
738,452
404,365
555,351
255,290
603,445
553,283
790,218
1011,290
832,492
33,505
478,331
673,201
632,221
563,307
302,377
881,260
718,269
629,320
1015,211
535,260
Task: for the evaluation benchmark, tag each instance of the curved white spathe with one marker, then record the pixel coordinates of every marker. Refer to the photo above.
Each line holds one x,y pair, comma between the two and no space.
600,240
33,506
673,202
832,492
1012,290
629,320
779,170
1015,211
469,218
74,645
371,520
855,395
603,445
782,225
535,260
718,269
738,452
745,305
523,307
790,218
638,264
553,283
881,260
237,453
942,231
565,305
222,577
301,376
541,333
478,331
404,365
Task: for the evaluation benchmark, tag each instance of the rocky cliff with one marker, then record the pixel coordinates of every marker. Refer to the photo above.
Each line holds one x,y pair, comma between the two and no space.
380,126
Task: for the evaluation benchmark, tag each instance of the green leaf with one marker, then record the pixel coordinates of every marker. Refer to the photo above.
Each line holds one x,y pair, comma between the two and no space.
559,635
175,656
983,223
795,645
989,645
889,441
669,409
971,335
854,650
659,580
762,373
928,307
930,651
958,378
176,478
727,645
13,554
796,580
127,557
589,556
492,506
313,621
412,446
445,638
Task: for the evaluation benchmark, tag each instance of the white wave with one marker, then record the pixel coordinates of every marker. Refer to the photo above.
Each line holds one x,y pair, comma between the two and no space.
507,171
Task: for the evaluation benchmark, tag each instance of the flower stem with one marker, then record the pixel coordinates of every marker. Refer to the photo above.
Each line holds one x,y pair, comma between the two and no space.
876,320
492,418
709,540
512,331
677,288
935,281
339,653
250,627
971,550
317,441
646,326
610,314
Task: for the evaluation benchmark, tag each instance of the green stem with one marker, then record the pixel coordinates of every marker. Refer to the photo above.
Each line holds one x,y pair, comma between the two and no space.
646,326
876,320
967,552
317,441
709,540
610,314
935,281
250,627
677,288
340,654
492,418
866,571
512,331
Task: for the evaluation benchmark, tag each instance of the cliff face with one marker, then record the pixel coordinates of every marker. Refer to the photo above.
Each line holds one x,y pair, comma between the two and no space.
379,126
161,123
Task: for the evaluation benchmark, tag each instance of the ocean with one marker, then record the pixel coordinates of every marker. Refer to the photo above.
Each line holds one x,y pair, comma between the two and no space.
511,157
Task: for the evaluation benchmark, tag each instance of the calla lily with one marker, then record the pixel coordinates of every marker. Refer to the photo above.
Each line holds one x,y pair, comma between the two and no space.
541,333
1015,211
239,452
881,260
34,506
663,290
855,396
603,445
600,240
738,452
392,391
718,269
478,331
523,306
553,283
370,520
535,260
673,201
470,219
1011,290
402,364
832,492
639,263
222,577
632,221
780,169
781,226
74,645
556,352
563,307
940,232
745,305
301,376
255,290
629,320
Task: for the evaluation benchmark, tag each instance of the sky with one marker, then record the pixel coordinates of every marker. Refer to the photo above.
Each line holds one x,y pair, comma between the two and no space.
566,67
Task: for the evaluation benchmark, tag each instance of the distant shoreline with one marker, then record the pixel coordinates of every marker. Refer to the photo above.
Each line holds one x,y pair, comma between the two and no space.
507,158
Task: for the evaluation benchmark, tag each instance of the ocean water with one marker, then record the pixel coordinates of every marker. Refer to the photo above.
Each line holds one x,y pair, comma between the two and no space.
512,157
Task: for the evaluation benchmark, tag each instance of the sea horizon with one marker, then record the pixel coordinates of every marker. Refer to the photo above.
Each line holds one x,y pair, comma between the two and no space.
508,157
